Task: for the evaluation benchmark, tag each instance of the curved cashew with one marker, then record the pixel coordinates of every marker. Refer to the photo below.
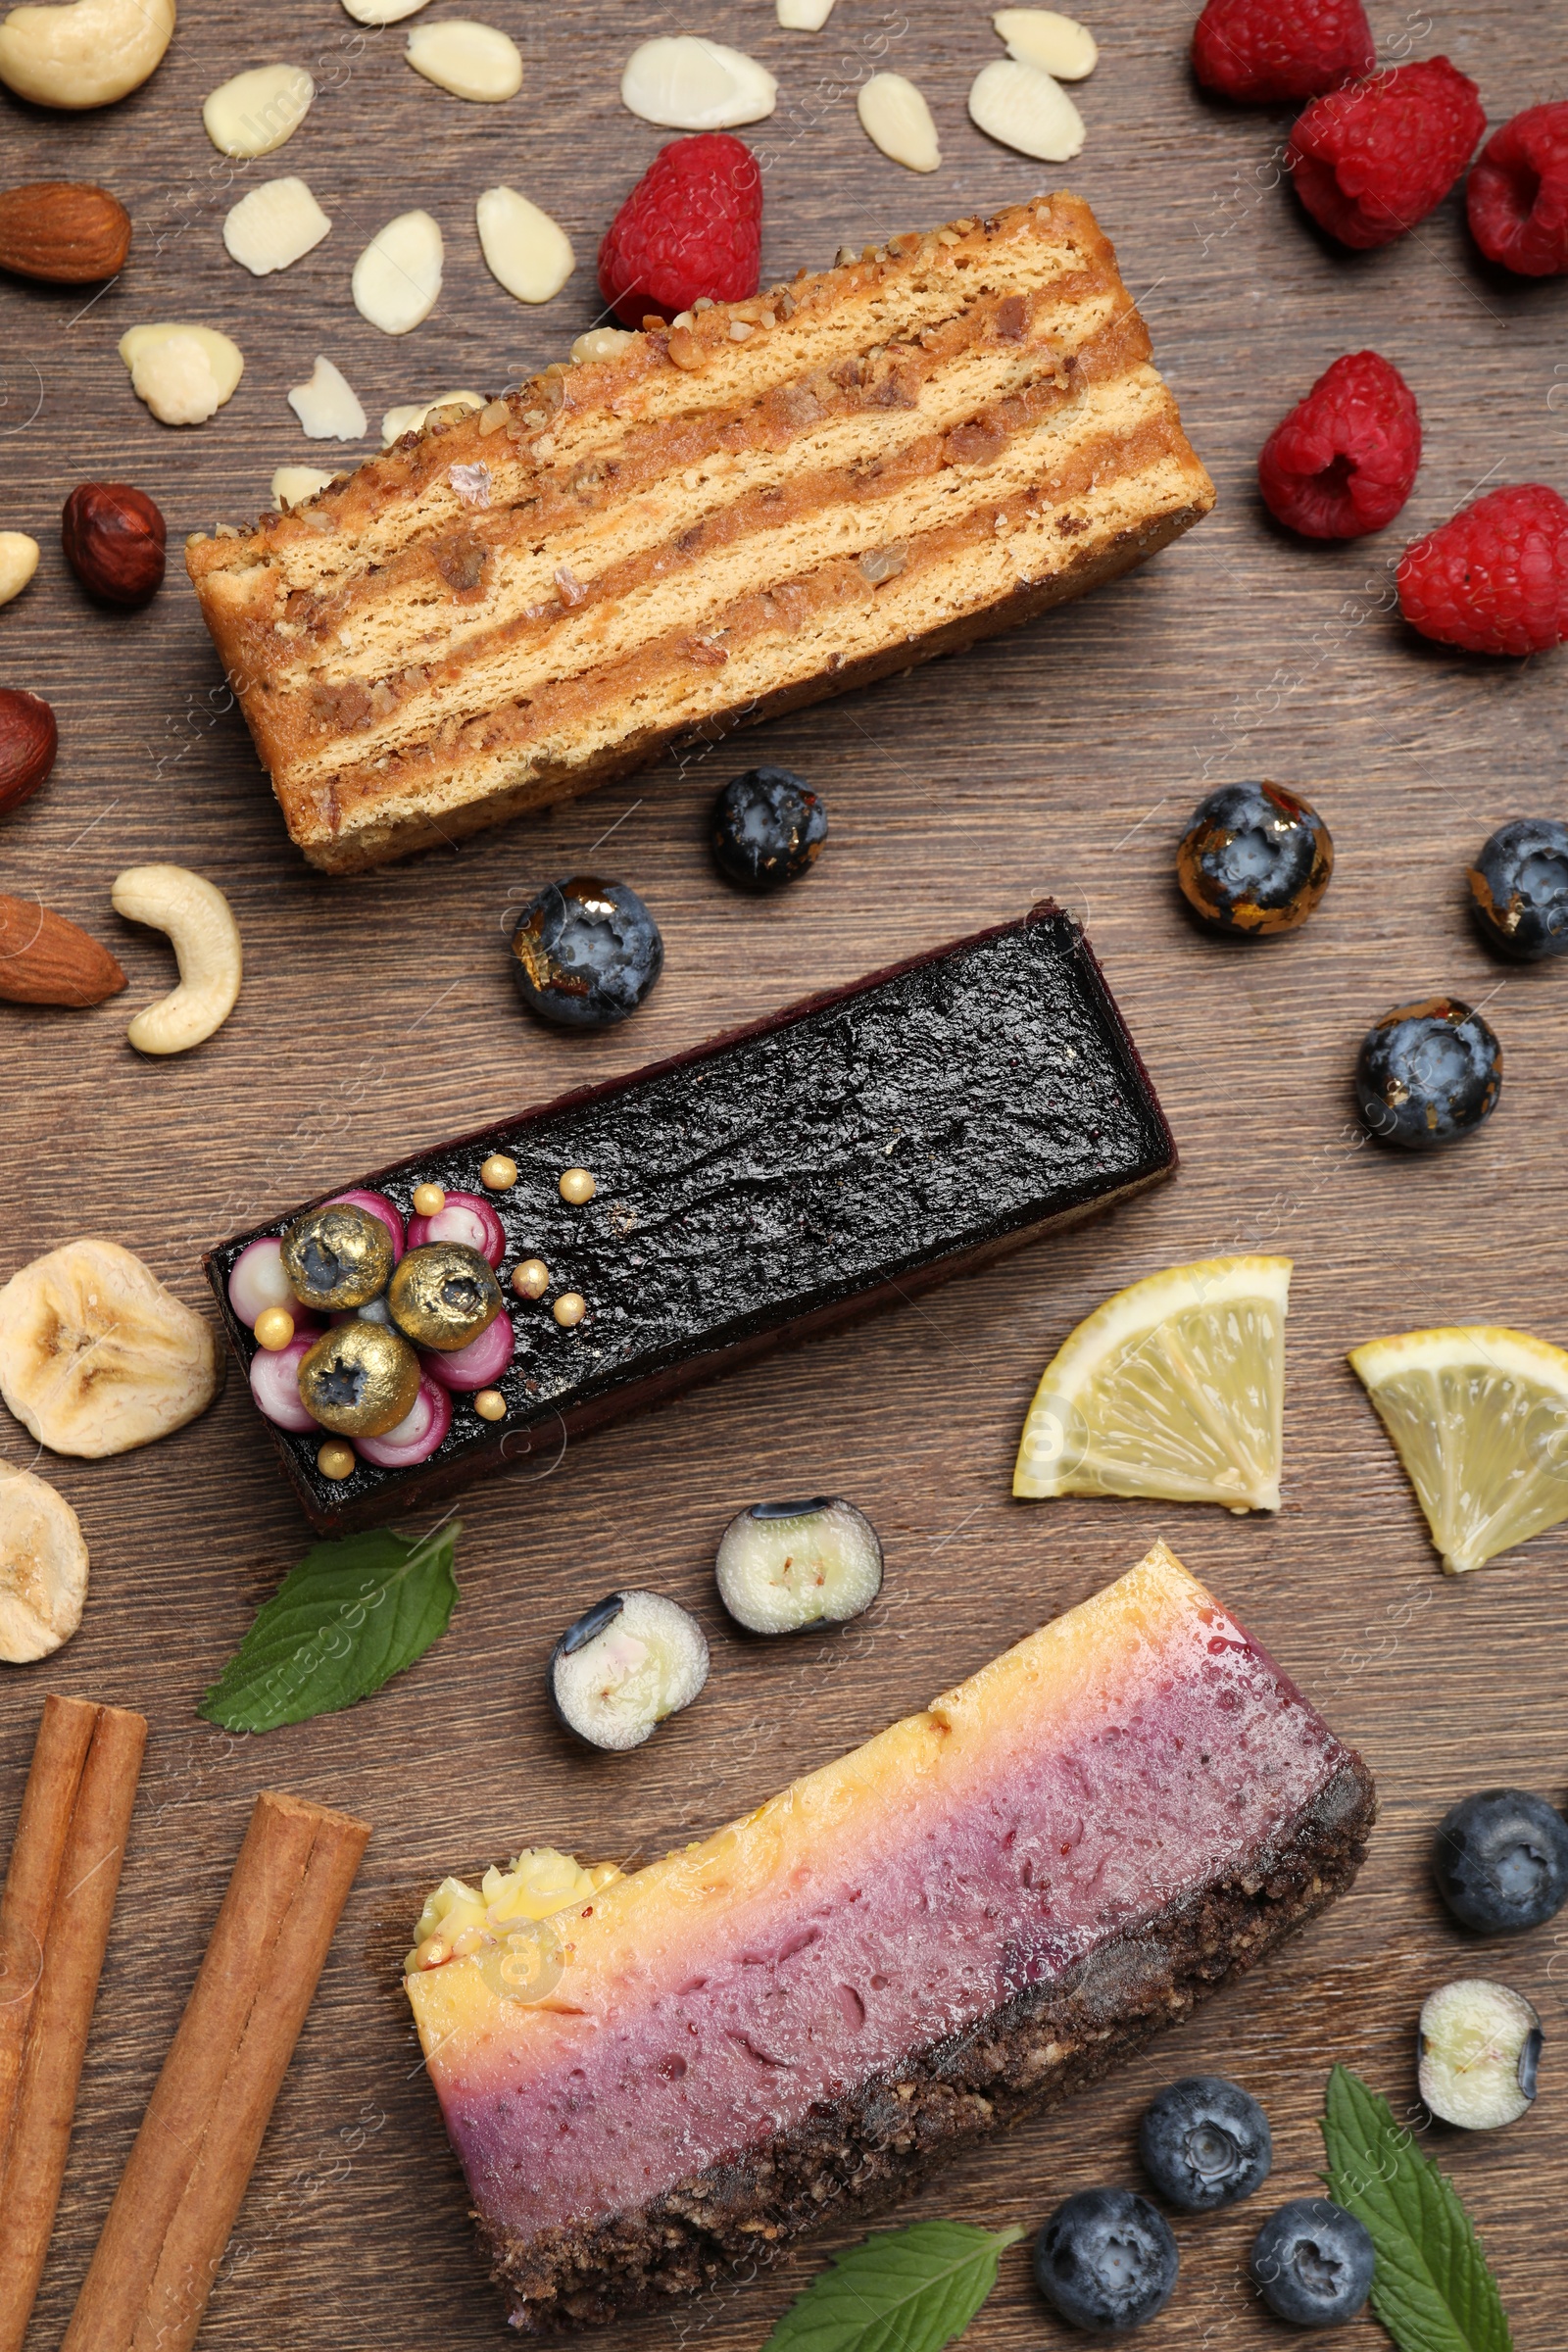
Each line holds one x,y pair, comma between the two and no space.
88,53
206,941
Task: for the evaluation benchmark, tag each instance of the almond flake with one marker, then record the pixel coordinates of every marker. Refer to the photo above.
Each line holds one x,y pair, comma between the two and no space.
1024,108
396,279
382,12
804,16
292,485
1054,44
273,228
256,112
471,61
411,420
601,343
897,119
325,406
683,83
524,249
471,483
184,373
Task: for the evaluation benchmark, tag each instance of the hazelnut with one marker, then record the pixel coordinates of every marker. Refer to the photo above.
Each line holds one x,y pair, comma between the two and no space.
114,537
28,742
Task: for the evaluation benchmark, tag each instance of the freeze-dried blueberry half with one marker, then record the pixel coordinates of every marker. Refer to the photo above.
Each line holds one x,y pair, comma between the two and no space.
629,1661
785,1565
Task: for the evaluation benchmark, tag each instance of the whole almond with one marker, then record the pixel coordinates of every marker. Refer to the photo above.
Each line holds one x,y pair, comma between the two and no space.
27,744
46,960
65,231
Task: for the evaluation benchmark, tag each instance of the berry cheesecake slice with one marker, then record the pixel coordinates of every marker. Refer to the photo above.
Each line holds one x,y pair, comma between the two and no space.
798,2018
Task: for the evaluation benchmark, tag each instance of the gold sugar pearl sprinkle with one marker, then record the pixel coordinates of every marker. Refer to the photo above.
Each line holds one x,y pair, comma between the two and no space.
335,1460
578,1186
274,1328
570,1308
531,1279
499,1173
490,1405
428,1200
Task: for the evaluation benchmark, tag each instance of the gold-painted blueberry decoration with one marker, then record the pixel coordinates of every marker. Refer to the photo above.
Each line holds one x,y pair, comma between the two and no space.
570,1308
578,1186
499,1173
361,1379
337,1256
443,1295
490,1405
531,1279
335,1459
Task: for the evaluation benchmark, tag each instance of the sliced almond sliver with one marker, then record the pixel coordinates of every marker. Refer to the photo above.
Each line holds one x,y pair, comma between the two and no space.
275,225
601,343
472,61
804,16
1055,44
396,279
897,119
326,406
524,249
683,83
1024,108
383,12
257,111
292,485
398,422
184,373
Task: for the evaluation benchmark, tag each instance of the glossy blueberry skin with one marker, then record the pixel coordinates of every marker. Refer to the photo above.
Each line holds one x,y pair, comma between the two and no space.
1500,1861
1255,861
1106,2261
768,828
1519,885
1428,1074
586,953
1312,2263
1204,2143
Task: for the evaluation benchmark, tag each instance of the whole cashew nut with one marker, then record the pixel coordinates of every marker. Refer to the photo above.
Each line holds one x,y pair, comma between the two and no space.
205,942
88,53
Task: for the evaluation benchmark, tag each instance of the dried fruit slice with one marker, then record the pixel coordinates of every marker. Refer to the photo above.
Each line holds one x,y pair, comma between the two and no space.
1174,1388
1026,110
683,83
471,61
44,1568
396,279
524,249
274,226
257,111
897,119
1478,1417
328,406
96,1357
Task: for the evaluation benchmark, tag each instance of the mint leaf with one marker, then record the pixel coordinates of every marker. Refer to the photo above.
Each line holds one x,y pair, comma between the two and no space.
1433,2289
903,2290
342,1623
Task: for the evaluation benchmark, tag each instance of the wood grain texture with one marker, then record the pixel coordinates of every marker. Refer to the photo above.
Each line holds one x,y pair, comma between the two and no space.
378,1014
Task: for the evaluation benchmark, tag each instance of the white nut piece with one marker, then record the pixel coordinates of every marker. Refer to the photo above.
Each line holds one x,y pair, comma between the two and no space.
524,249
411,418
601,343
472,61
207,947
256,112
88,53
184,373
274,226
18,560
44,1568
326,406
804,16
1023,108
382,12
683,83
292,485
1058,45
897,119
396,279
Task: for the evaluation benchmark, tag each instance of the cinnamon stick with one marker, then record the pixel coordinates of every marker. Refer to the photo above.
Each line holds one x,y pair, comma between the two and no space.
186,2176
54,1925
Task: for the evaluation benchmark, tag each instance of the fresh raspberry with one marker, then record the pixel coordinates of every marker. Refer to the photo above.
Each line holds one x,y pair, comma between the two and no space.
1517,195
1494,579
1269,51
1373,160
1342,462
691,225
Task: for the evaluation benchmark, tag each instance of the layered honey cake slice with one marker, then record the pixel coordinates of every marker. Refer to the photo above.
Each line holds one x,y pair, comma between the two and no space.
767,503
801,2016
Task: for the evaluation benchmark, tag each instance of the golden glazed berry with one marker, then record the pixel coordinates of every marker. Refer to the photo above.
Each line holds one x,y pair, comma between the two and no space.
428,1200
531,1279
443,1295
578,1186
335,1459
361,1379
570,1308
337,1256
499,1173
274,1328
490,1405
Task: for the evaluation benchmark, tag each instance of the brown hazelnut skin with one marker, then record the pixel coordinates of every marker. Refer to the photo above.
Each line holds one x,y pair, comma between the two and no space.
113,540
28,740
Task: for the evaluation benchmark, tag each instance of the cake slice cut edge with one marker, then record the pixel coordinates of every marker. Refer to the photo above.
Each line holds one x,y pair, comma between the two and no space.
768,503
985,1907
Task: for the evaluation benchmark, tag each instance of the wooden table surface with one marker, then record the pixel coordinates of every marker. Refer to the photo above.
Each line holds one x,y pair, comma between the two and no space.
379,1013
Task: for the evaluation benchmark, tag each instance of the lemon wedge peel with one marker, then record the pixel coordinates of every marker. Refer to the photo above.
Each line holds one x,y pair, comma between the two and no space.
1173,1390
1478,1415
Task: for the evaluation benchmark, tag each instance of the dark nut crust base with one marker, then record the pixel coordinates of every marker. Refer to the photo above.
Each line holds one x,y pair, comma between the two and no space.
888,2135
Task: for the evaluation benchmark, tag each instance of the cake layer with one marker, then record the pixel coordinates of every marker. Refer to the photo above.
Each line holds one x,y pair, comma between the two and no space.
979,1909
764,504
836,1157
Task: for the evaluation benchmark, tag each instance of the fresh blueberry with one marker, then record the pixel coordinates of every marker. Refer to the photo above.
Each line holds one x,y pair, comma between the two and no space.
1205,2142
587,952
1255,860
768,826
1428,1074
1312,2263
1500,1860
1520,887
1105,2260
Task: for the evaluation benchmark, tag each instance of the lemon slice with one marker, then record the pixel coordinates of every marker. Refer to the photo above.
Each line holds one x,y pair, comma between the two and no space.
1174,1388
1478,1417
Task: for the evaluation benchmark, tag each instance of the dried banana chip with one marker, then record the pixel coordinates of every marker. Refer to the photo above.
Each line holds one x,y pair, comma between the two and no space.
44,1568
96,1357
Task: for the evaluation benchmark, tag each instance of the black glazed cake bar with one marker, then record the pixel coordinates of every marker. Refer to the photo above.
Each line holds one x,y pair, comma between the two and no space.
834,1158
